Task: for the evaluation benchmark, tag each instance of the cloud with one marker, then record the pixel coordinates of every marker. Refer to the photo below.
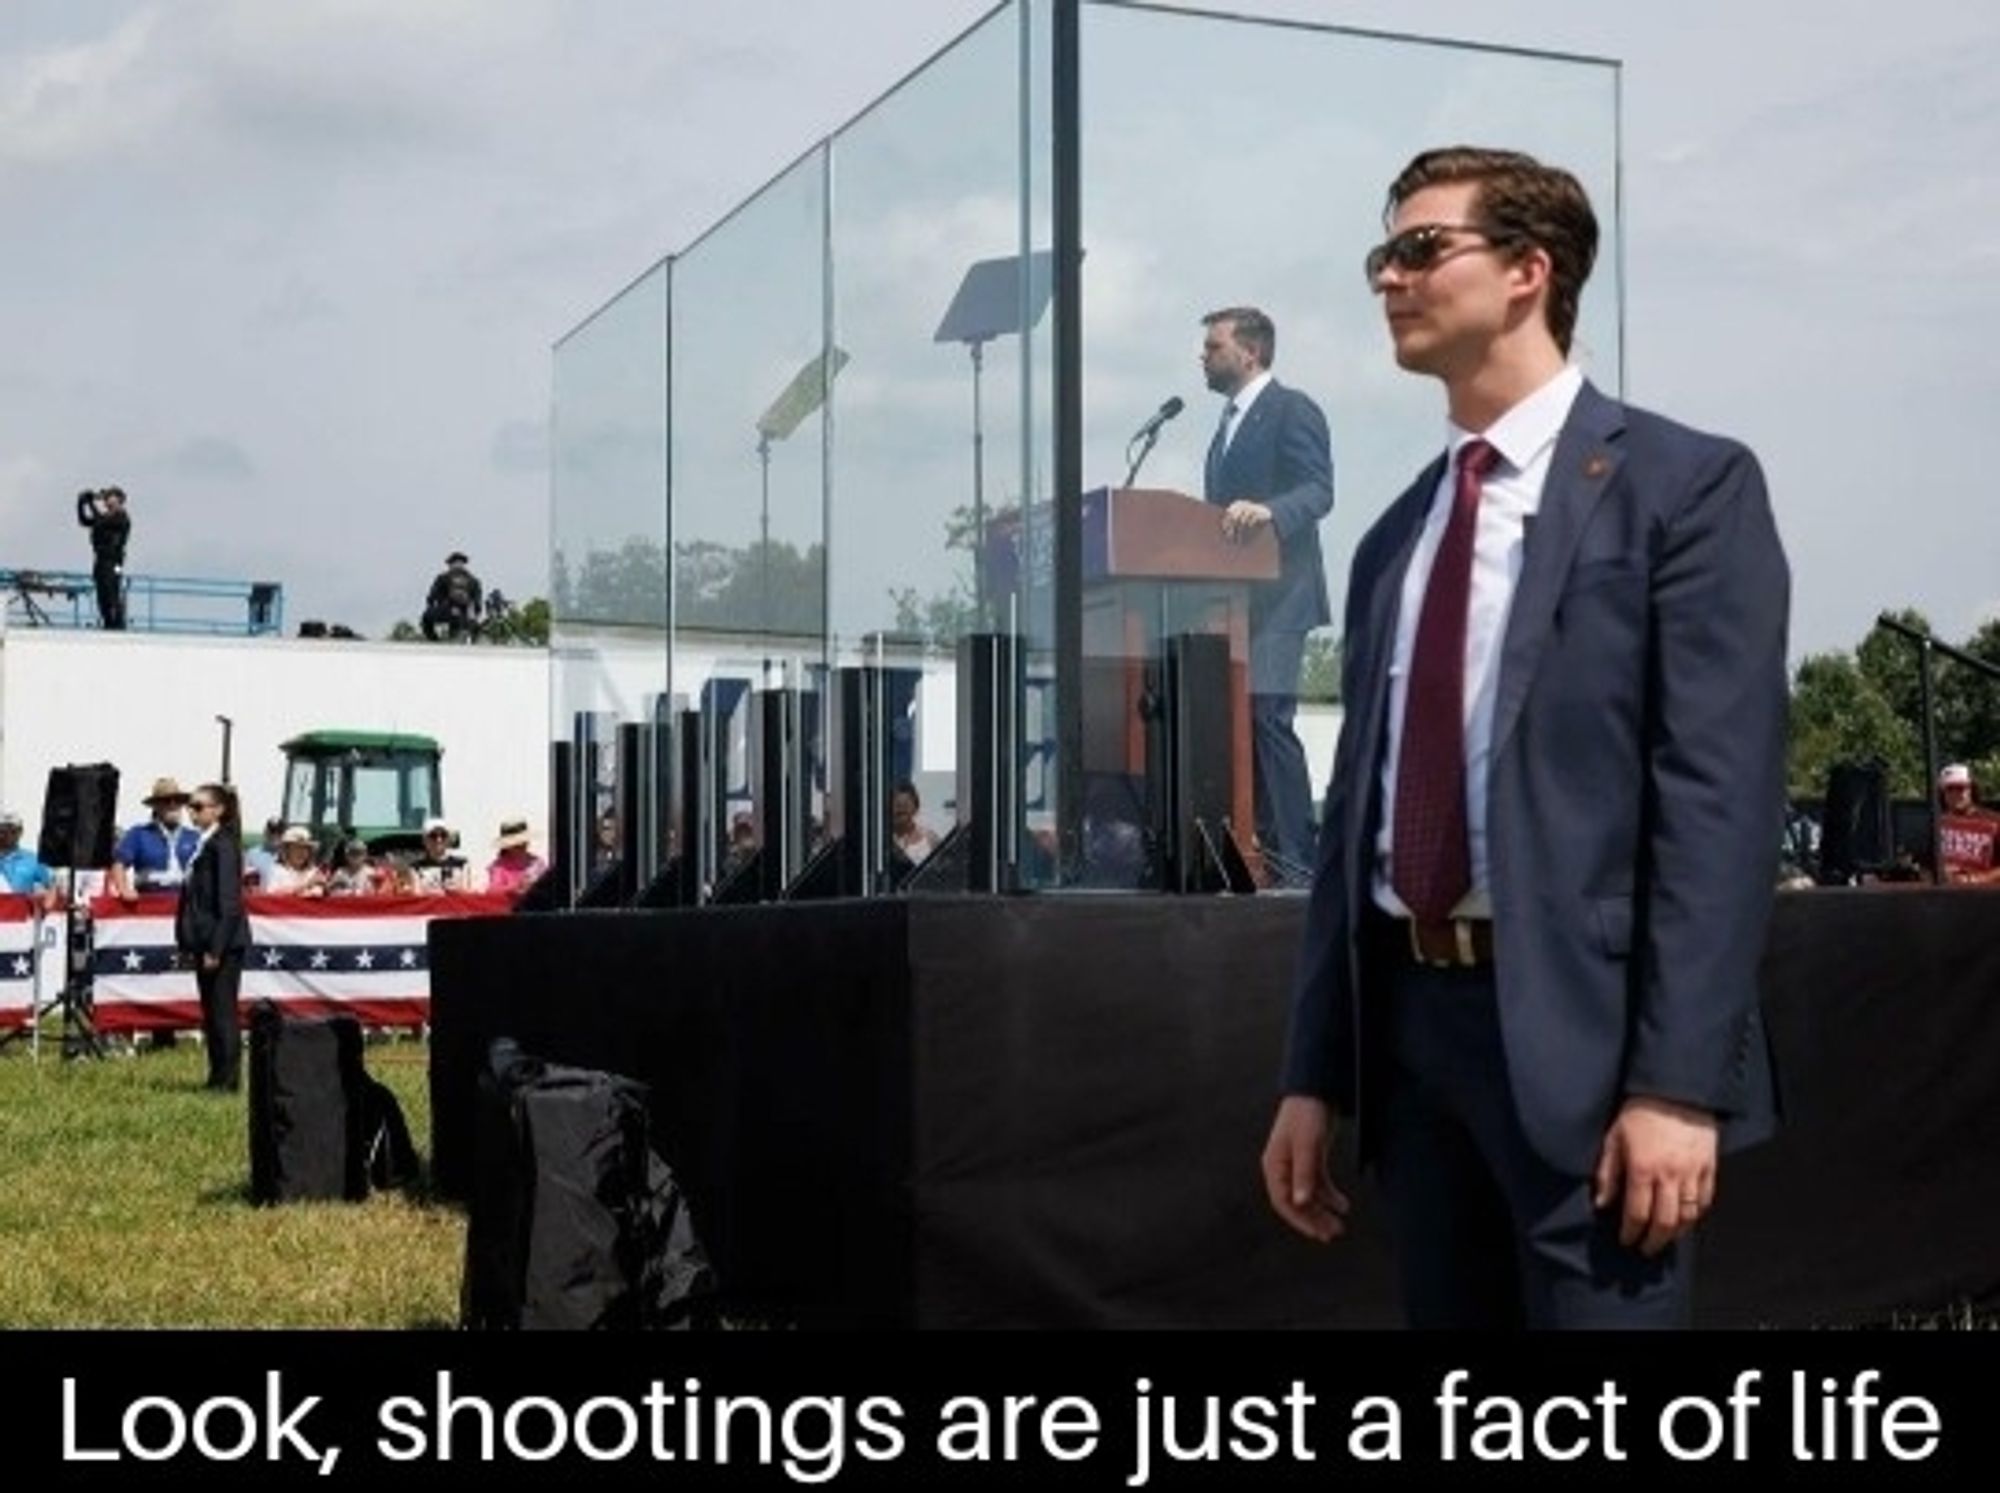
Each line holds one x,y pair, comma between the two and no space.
521,446
293,303
66,104
210,457
26,488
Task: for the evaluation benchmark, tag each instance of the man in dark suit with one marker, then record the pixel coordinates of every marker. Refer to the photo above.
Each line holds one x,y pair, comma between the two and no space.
1549,844
211,930
1270,464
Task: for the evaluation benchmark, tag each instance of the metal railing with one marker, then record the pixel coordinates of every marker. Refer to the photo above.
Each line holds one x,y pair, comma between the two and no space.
153,603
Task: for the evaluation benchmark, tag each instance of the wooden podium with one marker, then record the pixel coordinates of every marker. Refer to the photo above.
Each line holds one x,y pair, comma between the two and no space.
1155,564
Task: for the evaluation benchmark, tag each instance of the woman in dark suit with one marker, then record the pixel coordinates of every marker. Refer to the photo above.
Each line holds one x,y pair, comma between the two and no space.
210,928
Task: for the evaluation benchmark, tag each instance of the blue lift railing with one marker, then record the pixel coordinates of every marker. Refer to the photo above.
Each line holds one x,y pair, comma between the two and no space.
153,603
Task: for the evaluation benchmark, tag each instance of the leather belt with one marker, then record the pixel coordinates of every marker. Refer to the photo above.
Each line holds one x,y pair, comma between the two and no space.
1461,943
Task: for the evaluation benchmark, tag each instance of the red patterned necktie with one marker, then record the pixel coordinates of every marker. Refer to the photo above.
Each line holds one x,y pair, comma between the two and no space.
1431,859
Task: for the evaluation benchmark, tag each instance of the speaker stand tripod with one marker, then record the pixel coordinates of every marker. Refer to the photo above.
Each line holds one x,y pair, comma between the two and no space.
84,810
73,1000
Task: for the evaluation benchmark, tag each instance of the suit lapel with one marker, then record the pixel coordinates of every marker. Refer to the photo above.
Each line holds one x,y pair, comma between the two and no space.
1406,522
1400,527
1585,464
1249,431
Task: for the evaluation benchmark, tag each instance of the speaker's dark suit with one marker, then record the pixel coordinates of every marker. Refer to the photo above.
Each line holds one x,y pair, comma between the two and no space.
1281,456
1635,794
210,920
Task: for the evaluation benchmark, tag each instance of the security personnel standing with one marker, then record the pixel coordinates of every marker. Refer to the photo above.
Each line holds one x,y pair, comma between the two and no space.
103,513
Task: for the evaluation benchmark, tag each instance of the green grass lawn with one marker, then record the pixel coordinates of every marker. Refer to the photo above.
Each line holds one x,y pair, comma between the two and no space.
126,1205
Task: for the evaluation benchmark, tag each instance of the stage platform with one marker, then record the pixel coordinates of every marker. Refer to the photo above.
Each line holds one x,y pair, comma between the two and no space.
1047,1111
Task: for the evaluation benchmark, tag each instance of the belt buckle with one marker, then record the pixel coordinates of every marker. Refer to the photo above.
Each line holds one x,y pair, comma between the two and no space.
1463,954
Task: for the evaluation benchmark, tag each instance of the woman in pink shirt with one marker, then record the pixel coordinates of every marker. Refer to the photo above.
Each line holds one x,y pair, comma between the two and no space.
515,867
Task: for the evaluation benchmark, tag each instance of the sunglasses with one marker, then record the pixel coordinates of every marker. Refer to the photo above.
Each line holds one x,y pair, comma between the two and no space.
1425,246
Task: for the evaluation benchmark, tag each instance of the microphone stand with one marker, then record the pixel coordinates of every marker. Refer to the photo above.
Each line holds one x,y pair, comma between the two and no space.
1152,438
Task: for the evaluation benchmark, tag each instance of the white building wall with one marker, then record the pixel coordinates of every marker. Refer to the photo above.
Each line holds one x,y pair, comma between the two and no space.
148,703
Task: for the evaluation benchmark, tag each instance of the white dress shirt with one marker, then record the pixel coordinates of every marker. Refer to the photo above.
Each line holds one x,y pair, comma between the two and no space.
1525,437
1242,399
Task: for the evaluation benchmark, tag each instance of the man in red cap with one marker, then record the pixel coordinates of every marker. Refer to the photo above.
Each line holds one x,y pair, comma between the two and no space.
1967,831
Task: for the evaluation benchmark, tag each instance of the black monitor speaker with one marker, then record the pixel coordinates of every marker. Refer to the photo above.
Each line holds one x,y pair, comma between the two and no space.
1855,836
80,816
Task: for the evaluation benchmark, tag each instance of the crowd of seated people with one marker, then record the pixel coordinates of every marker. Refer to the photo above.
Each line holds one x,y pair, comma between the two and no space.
290,864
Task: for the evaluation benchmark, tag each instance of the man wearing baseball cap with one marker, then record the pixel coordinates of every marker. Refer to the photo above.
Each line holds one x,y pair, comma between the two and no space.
440,868
21,870
1968,831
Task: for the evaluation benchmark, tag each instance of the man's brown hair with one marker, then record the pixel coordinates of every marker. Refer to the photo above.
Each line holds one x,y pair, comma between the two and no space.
1251,328
1520,203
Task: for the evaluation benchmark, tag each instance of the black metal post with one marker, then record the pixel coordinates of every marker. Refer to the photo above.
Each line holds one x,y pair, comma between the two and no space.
989,758
1067,217
634,756
764,550
1924,651
978,350
562,822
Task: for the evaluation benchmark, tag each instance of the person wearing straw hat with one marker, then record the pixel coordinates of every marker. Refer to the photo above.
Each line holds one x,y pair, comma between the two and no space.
295,874
514,866
154,854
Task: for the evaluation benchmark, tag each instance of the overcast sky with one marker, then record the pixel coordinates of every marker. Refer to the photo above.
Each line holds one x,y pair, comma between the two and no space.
289,270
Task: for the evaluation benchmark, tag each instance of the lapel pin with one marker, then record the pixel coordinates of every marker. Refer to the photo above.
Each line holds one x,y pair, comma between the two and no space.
1597,465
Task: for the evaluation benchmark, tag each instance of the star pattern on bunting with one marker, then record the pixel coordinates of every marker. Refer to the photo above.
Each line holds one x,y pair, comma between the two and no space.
284,959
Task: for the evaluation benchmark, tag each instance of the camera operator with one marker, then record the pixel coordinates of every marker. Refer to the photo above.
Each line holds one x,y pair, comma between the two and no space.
103,513
454,602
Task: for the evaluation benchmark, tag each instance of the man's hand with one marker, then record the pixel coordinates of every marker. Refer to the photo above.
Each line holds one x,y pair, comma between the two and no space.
1242,519
1295,1175
1661,1156
211,962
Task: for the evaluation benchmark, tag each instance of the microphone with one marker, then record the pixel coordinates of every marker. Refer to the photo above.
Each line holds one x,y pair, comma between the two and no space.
1149,433
1160,417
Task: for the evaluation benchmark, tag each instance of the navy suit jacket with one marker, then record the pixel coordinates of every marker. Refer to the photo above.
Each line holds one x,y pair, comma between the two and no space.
1636,792
1282,456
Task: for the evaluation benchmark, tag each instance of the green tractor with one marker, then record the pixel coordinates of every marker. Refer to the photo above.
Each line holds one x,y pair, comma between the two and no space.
377,785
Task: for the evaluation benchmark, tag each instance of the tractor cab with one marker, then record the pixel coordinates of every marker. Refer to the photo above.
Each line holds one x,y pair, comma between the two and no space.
379,786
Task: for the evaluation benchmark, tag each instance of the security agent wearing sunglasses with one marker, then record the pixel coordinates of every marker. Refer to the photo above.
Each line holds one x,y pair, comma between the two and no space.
1529,974
1270,464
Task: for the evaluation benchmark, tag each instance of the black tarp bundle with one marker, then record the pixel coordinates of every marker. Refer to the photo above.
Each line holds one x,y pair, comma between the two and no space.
575,1220
320,1127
